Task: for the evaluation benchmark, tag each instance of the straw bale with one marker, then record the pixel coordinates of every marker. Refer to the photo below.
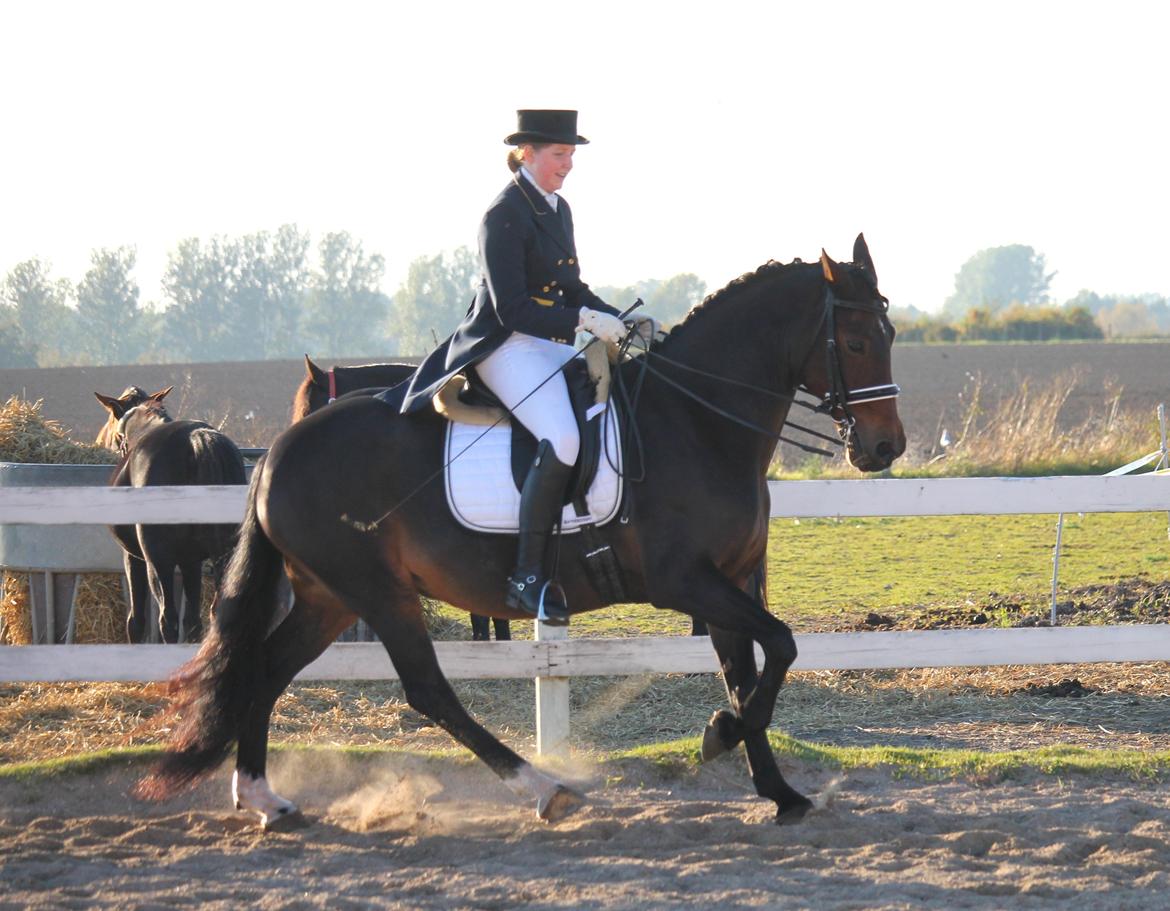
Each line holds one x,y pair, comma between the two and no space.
15,615
28,436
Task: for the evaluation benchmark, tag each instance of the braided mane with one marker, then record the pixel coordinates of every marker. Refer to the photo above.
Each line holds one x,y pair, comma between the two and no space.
733,288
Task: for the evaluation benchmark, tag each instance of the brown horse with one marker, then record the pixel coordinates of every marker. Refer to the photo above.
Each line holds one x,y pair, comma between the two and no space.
346,501
157,450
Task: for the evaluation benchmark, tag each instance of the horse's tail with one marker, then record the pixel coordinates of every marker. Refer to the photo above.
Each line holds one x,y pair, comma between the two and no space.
211,694
217,459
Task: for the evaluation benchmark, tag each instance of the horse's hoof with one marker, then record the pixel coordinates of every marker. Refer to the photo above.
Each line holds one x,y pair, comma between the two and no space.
561,804
712,744
717,738
787,816
284,821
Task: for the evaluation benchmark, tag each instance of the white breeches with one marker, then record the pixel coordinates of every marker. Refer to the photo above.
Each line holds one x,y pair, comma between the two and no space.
514,369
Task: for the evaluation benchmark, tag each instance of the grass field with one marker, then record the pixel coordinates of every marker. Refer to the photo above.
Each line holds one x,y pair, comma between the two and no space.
828,574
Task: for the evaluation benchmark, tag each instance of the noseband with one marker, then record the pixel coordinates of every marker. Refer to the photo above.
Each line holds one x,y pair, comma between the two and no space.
840,396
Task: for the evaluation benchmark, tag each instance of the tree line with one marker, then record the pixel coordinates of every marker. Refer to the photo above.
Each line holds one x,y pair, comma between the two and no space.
262,296
277,295
1001,294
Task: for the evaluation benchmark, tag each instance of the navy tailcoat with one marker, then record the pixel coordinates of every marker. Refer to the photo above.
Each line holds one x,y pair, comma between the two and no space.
531,284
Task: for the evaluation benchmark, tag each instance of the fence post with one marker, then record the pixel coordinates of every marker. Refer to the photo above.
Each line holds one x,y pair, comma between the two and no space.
1056,564
1164,461
552,701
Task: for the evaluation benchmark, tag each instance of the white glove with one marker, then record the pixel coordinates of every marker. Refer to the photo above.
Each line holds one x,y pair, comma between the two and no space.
606,327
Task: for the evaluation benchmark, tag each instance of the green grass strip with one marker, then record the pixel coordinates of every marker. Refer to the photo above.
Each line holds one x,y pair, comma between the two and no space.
681,757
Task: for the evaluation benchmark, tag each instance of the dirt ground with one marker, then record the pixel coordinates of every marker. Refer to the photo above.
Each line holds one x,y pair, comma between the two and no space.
400,832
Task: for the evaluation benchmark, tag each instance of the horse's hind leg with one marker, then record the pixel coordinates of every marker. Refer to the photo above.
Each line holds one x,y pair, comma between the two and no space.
139,598
160,571
398,621
305,633
192,573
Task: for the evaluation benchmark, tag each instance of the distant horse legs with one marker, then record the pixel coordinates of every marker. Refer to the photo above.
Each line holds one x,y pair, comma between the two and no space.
481,629
160,571
192,572
139,597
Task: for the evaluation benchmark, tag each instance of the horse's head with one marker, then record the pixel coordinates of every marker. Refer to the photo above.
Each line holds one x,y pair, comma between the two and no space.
313,392
111,435
848,367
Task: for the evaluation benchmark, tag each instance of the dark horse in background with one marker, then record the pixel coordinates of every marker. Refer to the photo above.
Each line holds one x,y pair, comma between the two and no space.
157,450
320,387
344,501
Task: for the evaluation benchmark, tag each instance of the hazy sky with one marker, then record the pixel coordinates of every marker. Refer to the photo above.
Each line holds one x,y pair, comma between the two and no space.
723,134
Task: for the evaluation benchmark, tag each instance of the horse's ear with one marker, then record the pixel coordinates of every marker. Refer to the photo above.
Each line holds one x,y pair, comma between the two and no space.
862,258
315,374
161,394
114,406
829,267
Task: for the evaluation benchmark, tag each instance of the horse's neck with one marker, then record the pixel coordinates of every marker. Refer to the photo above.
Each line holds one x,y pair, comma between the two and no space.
759,337
137,429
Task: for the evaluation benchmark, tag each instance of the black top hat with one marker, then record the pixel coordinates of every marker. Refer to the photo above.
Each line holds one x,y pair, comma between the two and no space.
546,126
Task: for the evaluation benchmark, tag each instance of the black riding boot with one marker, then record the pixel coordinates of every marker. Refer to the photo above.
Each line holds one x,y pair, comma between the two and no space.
529,589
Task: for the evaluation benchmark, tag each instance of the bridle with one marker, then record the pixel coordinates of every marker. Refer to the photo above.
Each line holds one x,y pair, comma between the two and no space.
839,396
121,439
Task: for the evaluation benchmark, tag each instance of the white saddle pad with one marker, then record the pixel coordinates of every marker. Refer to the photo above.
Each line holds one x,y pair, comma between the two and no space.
483,496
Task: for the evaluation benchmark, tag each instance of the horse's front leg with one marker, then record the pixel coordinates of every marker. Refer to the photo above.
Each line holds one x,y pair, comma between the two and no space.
735,620
738,661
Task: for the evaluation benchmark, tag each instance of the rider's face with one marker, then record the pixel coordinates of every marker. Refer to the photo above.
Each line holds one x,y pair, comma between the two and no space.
549,165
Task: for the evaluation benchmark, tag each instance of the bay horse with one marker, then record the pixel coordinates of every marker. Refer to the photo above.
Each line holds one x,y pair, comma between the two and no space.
346,501
320,387
156,450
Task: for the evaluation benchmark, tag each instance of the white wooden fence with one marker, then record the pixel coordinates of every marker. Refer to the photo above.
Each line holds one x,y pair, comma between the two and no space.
552,659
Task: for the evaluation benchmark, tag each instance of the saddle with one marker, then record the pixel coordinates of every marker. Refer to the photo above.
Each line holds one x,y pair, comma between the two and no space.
466,399
478,492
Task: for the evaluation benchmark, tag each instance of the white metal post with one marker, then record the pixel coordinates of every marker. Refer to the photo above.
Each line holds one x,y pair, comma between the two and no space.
552,701
1056,564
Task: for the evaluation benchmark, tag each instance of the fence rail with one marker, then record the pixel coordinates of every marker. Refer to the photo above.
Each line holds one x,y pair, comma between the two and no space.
799,499
566,658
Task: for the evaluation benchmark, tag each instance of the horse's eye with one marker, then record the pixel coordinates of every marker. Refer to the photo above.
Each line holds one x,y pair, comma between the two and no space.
855,346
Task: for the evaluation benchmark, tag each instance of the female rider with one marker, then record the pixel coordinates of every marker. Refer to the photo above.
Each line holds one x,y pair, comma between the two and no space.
519,330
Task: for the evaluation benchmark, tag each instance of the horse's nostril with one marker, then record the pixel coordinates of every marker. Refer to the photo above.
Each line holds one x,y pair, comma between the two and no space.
885,450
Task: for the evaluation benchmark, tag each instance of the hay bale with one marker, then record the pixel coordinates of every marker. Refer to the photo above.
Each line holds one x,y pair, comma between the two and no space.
15,611
27,436
99,609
